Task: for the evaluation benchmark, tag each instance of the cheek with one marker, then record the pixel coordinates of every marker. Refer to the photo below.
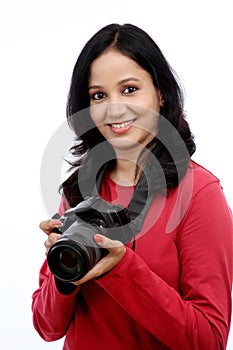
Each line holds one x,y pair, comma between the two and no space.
150,126
97,113
154,127
151,98
153,103
149,122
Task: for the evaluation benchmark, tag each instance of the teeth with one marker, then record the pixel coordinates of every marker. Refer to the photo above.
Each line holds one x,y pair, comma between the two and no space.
121,125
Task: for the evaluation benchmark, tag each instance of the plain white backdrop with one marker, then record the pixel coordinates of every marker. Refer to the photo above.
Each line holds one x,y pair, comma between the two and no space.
39,43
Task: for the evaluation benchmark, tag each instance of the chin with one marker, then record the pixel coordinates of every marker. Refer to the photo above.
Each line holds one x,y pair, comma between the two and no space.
126,148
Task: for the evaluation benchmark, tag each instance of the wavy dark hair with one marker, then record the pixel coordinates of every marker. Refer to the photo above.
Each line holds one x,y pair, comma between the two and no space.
136,44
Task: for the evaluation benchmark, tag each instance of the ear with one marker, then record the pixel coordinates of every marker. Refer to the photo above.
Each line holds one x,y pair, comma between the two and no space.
161,100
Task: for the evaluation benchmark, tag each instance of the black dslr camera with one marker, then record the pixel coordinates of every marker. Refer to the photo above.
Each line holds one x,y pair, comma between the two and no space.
76,252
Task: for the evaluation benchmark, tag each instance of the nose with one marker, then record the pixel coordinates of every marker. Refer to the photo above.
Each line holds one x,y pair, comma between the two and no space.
115,110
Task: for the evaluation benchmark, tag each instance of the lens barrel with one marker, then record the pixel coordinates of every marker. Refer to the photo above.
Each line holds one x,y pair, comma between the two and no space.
68,261
74,253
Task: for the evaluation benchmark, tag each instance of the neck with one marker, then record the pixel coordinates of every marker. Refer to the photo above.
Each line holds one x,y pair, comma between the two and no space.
124,173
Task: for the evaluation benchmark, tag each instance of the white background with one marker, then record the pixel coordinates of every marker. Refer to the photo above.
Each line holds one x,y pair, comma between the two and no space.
39,43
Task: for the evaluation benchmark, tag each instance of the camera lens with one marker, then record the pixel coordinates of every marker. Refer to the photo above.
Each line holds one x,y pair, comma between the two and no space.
68,260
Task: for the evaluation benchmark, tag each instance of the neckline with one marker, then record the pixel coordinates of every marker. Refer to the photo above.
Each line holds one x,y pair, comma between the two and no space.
108,178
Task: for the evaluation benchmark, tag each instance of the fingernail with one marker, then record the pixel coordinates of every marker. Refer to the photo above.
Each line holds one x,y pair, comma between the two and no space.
98,239
56,222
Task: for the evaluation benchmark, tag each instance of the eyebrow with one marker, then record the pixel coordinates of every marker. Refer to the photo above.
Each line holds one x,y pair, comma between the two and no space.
123,81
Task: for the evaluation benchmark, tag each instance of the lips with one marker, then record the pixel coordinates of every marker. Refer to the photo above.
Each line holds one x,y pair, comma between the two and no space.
121,128
121,125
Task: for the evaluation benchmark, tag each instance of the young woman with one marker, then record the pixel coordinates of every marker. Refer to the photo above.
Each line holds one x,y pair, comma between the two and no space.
170,286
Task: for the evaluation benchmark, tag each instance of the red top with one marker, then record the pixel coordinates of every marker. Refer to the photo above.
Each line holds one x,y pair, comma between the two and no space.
173,292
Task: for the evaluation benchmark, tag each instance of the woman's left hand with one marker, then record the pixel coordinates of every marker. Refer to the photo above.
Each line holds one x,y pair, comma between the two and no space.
116,252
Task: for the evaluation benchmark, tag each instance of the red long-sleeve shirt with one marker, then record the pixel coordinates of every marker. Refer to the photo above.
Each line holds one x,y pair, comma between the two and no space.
172,292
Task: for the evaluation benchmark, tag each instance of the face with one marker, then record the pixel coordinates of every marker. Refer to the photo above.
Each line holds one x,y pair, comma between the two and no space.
124,104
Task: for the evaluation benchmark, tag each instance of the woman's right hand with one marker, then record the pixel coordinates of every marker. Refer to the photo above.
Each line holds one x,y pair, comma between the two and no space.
49,227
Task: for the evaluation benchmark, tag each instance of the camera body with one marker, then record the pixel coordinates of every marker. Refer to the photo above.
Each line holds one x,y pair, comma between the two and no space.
76,251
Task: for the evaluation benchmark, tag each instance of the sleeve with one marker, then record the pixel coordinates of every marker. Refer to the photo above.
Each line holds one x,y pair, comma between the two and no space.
198,317
52,311
53,303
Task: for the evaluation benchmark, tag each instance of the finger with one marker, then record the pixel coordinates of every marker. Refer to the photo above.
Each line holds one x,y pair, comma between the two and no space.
109,244
48,225
99,269
52,238
116,252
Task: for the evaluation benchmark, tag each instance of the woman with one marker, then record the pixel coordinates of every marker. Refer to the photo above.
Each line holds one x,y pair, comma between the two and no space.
170,286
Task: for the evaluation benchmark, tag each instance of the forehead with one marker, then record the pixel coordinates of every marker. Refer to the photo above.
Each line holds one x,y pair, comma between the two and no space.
114,63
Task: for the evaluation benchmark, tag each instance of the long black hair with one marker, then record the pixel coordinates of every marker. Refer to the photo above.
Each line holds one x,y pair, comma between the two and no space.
136,44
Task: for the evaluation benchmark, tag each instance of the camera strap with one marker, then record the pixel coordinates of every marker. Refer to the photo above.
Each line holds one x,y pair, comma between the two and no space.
146,189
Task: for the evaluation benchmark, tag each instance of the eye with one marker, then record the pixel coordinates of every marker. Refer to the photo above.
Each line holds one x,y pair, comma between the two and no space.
129,90
98,96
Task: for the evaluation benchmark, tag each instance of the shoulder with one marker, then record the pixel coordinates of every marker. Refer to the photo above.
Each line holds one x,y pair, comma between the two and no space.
202,173
198,189
206,194
198,178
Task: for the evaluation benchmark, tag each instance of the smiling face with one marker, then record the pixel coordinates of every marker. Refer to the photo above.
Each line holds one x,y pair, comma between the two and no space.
124,103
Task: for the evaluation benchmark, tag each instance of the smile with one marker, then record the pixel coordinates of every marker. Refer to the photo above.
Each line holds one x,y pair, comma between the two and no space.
121,125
